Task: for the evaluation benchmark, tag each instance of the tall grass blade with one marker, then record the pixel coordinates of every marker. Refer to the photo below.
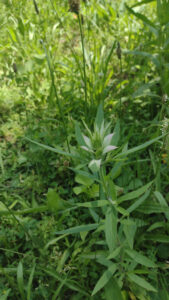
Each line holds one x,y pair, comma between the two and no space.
78,229
30,282
55,91
20,280
84,64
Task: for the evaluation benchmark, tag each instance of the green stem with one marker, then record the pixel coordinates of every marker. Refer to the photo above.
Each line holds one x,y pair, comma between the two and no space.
56,94
84,62
121,71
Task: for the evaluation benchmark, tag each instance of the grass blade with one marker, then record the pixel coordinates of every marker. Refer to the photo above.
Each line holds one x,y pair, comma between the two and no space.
20,280
112,290
30,282
68,283
78,229
97,203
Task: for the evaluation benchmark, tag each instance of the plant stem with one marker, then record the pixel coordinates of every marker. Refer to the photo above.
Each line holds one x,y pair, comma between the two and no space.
84,63
56,94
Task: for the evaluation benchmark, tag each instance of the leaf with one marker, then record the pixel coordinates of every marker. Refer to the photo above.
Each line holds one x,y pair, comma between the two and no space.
85,175
162,201
35,210
115,253
134,194
54,241
87,142
152,57
30,282
150,208
86,149
84,179
54,201
116,170
140,258
69,283
93,192
111,229
108,149
142,18
112,290
56,150
142,2
116,134
20,280
62,260
79,135
122,211
141,282
138,202
111,189
78,229
79,189
156,225
140,147
161,238
98,203
104,278
162,11
2,207
129,230
94,165
99,116
107,140
5,296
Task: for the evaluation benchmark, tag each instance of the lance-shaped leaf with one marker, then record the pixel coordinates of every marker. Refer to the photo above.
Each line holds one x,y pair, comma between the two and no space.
108,149
86,149
104,279
140,258
107,140
87,141
111,228
100,116
141,282
78,229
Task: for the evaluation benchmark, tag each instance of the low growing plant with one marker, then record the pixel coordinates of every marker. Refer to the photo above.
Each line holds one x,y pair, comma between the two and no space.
121,241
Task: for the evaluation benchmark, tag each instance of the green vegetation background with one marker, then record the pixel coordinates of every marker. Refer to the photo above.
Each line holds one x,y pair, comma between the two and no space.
80,219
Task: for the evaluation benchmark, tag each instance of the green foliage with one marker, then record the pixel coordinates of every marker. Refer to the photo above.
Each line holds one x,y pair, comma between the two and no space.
84,150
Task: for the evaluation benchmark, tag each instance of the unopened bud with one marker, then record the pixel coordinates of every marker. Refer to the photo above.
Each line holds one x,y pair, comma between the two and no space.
36,7
118,50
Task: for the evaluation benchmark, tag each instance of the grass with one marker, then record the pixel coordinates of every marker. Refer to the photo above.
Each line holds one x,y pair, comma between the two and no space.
84,150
